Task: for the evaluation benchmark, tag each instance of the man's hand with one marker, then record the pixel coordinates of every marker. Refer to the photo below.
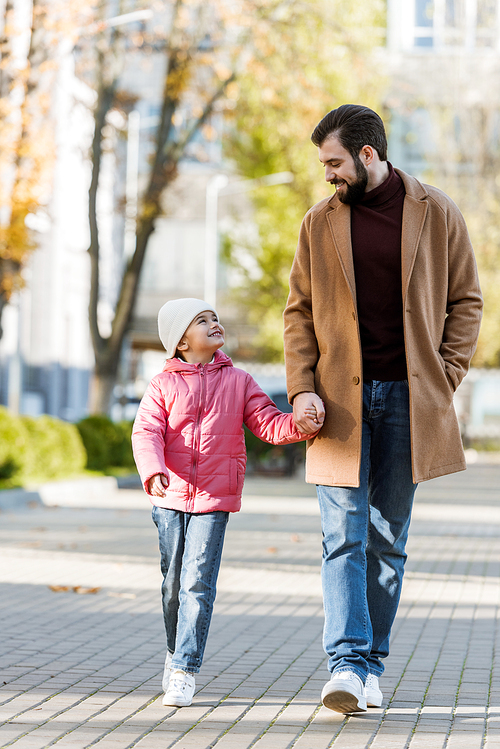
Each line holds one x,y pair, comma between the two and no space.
157,485
308,412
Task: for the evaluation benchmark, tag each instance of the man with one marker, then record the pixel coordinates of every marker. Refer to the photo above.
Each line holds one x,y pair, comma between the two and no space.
381,323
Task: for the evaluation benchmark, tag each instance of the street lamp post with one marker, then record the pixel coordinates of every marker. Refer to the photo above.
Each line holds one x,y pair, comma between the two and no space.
132,182
217,186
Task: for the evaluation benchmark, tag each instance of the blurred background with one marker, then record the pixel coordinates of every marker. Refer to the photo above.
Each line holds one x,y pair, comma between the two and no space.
156,149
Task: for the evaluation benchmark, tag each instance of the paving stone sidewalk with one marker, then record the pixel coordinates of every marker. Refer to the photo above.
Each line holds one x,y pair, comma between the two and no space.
82,642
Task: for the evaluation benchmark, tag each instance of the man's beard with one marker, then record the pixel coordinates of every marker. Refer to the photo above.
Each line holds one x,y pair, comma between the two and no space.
354,192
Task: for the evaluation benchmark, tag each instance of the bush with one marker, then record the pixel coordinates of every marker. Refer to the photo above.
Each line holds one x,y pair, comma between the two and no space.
107,443
57,448
127,456
46,448
265,458
15,448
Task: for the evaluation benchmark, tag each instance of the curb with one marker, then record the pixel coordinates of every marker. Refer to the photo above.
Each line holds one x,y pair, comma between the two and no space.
67,493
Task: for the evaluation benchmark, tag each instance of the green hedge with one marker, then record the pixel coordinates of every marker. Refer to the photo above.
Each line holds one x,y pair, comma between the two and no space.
107,443
56,448
15,447
46,448
38,449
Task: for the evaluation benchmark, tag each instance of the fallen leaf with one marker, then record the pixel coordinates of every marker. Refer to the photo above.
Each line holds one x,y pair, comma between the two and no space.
85,591
295,538
272,550
59,588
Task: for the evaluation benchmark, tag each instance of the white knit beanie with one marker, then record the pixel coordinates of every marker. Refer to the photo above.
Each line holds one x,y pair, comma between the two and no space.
175,317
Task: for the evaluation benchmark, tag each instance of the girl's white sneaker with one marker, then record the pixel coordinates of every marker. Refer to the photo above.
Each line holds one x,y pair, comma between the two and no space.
373,694
166,671
180,689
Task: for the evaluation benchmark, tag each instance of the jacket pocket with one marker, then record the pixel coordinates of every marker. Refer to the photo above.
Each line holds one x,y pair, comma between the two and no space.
233,475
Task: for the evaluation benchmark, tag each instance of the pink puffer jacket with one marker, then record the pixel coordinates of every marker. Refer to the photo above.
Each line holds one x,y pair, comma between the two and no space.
190,427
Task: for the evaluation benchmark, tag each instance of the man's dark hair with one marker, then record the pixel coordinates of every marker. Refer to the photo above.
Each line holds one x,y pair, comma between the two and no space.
354,126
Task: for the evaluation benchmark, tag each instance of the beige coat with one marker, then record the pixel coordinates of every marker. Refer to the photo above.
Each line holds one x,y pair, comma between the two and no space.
442,311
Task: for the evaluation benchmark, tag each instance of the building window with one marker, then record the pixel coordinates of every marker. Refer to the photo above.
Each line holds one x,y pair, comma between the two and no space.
424,23
454,24
487,27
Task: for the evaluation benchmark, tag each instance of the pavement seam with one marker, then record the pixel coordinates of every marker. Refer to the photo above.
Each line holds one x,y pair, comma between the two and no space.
422,704
280,712
490,684
306,725
457,694
338,732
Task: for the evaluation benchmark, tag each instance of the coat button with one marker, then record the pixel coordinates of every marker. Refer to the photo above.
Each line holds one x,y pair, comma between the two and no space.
355,380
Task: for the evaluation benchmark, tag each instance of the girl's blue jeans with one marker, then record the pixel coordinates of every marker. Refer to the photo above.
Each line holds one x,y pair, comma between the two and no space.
190,549
364,536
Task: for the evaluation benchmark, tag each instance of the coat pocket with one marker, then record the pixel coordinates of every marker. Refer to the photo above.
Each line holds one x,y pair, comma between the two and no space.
445,373
233,476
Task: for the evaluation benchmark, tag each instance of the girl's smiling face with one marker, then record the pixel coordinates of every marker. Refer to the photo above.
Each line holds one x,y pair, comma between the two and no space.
202,338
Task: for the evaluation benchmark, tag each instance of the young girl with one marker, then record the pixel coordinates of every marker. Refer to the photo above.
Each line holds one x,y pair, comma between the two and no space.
189,448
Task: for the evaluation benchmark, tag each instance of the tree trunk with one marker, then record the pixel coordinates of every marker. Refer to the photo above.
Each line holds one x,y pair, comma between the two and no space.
101,390
164,165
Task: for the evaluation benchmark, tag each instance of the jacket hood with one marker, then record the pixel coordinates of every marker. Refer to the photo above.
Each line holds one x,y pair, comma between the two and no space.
177,365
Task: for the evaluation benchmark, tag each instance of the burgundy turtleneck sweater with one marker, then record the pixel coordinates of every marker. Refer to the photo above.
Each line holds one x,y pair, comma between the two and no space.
376,223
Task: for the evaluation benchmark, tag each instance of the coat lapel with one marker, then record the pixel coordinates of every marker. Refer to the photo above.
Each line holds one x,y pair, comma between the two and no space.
414,212
339,220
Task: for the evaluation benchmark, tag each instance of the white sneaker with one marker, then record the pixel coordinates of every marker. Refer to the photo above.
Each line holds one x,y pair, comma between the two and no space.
166,671
373,694
180,689
344,693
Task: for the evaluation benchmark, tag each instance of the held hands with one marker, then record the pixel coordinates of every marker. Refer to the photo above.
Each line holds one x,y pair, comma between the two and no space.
308,412
157,485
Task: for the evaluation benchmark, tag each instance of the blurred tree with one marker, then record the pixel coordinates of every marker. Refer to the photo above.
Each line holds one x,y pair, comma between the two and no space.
470,174
26,148
445,106
291,58
200,65
466,164
30,42
315,57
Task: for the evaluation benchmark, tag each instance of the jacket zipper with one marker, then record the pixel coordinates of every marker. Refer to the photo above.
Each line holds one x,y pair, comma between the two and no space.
196,435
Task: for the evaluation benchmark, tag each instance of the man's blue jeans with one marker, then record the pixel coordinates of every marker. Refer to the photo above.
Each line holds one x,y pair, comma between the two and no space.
364,536
190,549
